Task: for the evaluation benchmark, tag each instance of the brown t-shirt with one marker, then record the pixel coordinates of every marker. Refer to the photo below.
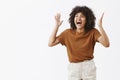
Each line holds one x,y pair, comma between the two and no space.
80,46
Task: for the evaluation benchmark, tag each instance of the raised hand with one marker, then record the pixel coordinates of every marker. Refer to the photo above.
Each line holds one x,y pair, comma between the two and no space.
100,20
57,19
103,38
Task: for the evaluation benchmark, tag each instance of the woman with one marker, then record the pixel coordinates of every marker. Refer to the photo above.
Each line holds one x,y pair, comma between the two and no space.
80,40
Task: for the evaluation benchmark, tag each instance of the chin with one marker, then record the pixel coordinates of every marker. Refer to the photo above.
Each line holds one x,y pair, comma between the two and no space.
79,27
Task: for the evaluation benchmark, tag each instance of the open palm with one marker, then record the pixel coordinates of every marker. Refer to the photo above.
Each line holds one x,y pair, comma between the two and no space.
57,19
100,20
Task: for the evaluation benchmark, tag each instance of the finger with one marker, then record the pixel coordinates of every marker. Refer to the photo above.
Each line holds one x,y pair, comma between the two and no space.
58,15
102,16
55,17
61,21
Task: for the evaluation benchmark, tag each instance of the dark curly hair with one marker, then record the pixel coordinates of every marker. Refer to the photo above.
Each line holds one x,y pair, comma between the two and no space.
87,12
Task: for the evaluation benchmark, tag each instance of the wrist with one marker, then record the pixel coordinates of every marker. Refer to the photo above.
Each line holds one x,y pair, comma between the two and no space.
57,25
100,26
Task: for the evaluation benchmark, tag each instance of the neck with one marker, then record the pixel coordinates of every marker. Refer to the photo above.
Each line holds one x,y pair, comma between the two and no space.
80,30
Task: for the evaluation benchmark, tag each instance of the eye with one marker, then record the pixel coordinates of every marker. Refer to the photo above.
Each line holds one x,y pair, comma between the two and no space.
83,16
76,15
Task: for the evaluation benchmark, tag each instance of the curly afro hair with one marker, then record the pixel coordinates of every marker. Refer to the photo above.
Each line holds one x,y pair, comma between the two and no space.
87,12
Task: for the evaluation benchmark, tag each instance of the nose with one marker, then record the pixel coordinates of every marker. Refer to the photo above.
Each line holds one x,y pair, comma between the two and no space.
79,18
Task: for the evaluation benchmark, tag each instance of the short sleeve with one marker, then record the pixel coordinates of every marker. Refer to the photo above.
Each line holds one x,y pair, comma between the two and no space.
96,35
61,37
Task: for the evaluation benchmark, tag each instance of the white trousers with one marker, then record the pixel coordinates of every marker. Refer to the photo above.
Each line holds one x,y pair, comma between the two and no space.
85,70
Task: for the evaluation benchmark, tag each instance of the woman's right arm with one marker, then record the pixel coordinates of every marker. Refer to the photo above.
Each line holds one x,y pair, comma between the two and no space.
52,40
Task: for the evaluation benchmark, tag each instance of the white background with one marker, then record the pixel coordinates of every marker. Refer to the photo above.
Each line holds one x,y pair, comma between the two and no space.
25,27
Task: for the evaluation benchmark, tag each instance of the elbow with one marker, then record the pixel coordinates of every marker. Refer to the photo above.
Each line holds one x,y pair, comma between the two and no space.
107,45
50,45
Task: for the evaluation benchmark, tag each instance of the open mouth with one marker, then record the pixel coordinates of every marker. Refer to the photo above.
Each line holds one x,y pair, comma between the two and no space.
79,22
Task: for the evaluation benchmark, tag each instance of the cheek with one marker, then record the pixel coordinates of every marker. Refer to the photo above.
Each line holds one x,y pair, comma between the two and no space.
74,20
84,20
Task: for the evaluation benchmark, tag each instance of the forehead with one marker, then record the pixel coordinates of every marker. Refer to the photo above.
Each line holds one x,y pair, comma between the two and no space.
79,13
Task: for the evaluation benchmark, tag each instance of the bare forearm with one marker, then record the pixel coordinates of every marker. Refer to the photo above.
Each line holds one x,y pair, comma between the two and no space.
52,37
105,39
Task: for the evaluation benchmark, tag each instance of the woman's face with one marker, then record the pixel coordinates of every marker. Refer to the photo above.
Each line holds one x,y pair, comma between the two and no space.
80,20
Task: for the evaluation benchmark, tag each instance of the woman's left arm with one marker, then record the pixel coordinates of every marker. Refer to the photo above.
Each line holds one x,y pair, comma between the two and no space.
103,39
